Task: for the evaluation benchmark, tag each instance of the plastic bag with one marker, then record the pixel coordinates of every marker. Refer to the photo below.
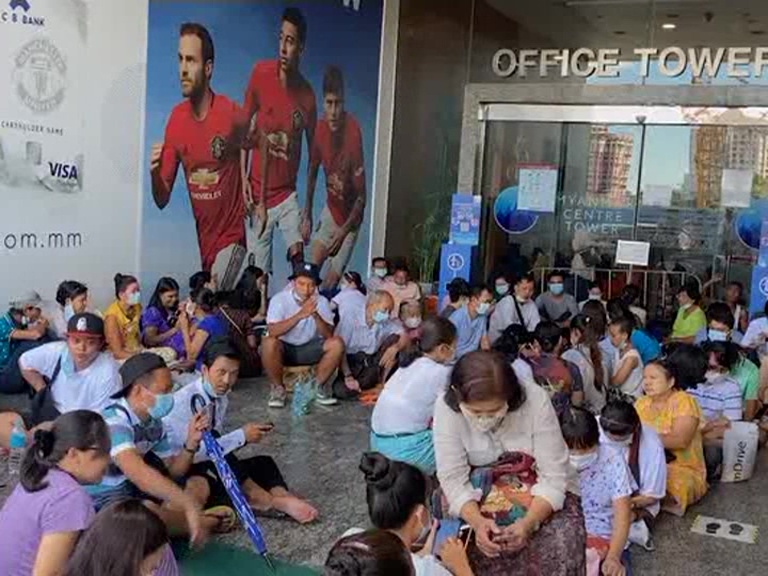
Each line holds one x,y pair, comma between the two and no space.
739,451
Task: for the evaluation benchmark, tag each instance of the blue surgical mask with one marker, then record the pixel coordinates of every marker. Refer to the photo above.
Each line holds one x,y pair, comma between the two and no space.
134,299
483,308
208,387
380,316
162,407
556,288
502,289
717,335
68,312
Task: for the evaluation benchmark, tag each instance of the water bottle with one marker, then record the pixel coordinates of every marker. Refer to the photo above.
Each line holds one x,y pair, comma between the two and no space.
302,396
18,444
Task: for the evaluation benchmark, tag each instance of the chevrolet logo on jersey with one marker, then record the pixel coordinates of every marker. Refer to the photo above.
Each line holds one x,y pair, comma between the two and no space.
204,178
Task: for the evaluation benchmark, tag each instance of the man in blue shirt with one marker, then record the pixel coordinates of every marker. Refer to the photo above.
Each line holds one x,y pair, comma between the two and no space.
471,321
21,329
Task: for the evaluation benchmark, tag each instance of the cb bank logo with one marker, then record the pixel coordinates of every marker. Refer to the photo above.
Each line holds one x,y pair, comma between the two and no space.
763,286
18,13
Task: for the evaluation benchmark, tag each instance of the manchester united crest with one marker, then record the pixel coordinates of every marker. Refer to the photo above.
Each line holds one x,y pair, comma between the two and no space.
218,147
298,120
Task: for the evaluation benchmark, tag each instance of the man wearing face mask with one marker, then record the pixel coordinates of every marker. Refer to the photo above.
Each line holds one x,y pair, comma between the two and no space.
371,340
379,273
472,322
555,304
143,460
517,308
595,294
259,476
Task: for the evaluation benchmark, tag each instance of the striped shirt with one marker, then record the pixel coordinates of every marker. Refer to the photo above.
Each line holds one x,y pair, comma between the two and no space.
128,432
719,396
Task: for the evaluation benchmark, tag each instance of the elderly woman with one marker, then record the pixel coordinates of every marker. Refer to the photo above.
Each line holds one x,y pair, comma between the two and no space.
690,317
503,466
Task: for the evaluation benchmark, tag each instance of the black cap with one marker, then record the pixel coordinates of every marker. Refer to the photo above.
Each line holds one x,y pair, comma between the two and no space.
136,367
307,270
86,324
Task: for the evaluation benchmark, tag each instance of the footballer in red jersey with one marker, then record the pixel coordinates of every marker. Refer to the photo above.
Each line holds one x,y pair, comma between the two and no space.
280,105
204,134
338,147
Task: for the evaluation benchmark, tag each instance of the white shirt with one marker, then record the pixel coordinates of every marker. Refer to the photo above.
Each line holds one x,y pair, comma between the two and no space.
633,385
348,297
358,336
423,565
757,331
533,429
580,356
407,403
505,313
177,422
284,305
88,389
523,371
652,464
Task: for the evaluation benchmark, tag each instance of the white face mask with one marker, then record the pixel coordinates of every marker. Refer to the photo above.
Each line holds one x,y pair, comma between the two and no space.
685,306
583,461
484,424
623,442
413,322
380,272
596,297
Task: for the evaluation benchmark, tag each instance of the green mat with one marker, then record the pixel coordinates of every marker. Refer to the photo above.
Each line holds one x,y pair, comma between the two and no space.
216,558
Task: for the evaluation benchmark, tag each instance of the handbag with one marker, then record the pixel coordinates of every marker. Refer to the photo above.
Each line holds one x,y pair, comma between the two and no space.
41,401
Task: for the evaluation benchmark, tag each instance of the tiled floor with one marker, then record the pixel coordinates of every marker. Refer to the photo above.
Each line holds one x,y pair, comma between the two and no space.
319,455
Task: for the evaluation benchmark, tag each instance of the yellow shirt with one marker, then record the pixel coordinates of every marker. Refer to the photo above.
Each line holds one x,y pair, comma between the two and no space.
128,324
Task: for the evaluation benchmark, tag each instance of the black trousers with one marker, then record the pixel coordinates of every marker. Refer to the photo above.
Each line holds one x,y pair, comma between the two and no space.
261,470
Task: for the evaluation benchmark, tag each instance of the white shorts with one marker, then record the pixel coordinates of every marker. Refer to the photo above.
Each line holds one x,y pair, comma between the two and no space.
324,232
287,216
228,266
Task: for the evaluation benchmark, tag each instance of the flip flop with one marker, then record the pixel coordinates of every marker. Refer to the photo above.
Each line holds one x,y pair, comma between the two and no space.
226,516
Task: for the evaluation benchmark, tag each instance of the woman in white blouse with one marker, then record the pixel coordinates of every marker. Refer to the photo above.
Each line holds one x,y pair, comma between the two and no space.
487,413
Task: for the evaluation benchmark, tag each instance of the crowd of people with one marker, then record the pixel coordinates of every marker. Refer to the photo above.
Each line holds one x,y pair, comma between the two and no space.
510,434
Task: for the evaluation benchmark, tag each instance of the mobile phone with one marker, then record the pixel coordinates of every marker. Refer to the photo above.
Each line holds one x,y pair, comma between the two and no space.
448,528
267,426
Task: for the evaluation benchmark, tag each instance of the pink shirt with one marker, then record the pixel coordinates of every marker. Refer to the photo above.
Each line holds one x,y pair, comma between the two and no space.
410,291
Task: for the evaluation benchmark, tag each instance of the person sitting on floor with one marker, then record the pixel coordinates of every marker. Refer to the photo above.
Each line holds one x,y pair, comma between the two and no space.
517,308
379,274
400,286
371,553
719,326
630,297
242,333
458,296
676,417
690,317
471,322
371,342
104,548
66,376
250,294
71,299
204,324
259,476
627,378
402,418
594,294
45,513
719,397
21,329
352,291
144,463
300,324
606,490
586,355
646,345
411,317
122,317
397,501
641,448
159,322
555,304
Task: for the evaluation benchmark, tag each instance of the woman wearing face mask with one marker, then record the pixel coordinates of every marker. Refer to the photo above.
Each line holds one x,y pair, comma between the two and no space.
121,319
489,421
72,298
206,323
158,322
627,378
352,291
676,417
402,417
690,318
397,502
501,286
606,488
400,286
43,517
620,428
105,549
585,353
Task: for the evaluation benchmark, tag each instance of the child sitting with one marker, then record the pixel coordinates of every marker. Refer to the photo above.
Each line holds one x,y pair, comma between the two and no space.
606,489
627,377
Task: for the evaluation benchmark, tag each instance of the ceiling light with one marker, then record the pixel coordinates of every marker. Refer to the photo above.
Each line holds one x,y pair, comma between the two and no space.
669,26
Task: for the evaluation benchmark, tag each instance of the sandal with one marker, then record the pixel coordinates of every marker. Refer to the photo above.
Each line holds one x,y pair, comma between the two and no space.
226,517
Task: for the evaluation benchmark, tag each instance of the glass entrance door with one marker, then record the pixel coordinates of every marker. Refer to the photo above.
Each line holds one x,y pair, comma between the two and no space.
692,182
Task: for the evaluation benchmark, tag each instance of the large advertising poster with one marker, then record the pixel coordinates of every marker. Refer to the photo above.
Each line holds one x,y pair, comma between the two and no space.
259,137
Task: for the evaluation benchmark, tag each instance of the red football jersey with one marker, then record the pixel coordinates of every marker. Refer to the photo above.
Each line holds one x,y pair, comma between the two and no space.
283,114
209,150
342,162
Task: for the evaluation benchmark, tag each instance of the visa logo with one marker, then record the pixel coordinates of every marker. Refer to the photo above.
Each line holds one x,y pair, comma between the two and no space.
63,171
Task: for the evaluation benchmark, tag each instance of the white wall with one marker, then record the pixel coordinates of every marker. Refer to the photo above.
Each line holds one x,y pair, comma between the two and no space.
100,81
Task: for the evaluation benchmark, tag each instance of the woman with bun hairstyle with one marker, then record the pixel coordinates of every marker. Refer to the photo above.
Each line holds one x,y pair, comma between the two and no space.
43,517
121,319
401,425
371,553
397,496
585,353
125,539
204,325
